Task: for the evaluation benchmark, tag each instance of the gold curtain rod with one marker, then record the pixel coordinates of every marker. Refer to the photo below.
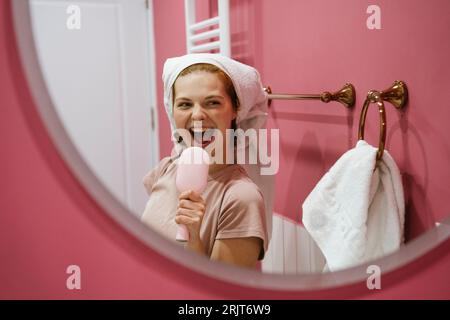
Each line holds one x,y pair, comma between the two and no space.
346,96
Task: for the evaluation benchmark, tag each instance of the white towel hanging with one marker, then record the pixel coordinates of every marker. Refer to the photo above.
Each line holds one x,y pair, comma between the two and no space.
356,214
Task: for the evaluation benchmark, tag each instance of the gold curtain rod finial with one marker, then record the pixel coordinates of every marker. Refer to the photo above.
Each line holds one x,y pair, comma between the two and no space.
345,96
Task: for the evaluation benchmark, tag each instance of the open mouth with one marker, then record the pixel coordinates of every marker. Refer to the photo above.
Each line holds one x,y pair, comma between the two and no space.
202,137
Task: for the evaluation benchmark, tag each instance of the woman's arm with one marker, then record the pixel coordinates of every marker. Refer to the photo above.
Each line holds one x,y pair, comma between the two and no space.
242,252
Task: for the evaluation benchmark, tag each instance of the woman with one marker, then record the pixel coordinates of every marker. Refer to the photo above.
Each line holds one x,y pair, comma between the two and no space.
227,221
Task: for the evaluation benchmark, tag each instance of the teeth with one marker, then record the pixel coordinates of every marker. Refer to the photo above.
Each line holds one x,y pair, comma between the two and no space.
203,135
202,131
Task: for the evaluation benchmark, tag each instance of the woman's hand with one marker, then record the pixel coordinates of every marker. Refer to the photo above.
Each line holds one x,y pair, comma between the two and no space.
190,211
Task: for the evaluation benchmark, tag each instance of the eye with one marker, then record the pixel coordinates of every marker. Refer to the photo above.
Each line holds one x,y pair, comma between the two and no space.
213,103
183,105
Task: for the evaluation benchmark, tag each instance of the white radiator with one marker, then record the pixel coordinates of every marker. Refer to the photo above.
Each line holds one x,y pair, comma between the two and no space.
291,250
219,36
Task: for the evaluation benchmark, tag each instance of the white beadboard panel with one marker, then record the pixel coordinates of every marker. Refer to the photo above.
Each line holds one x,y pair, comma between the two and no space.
291,250
290,247
277,245
317,258
304,244
267,263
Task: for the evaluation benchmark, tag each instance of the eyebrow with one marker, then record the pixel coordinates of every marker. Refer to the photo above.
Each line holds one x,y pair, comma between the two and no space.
214,97
207,98
182,98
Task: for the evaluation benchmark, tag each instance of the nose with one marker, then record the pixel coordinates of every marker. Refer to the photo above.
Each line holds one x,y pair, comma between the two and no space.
198,113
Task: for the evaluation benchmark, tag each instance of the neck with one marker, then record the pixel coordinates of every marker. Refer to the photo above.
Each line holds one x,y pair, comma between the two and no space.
215,167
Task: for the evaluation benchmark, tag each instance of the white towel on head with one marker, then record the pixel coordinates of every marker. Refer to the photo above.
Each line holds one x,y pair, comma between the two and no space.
246,80
356,214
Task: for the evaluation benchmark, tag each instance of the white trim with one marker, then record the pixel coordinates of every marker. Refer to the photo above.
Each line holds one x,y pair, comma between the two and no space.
124,106
152,76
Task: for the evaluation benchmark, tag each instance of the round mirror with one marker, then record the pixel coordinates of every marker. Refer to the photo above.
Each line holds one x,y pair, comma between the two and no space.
93,67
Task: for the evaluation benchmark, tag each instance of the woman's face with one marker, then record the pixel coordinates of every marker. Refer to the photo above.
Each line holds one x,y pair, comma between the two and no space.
201,96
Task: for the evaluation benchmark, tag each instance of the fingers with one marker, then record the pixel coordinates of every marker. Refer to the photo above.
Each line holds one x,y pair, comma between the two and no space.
192,214
187,221
189,204
184,220
188,217
190,211
191,200
191,195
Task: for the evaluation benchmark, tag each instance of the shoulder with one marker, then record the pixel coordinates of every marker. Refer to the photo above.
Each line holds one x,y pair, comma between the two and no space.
242,189
153,175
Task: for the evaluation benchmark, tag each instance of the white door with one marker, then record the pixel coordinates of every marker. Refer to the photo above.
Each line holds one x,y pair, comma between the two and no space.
99,69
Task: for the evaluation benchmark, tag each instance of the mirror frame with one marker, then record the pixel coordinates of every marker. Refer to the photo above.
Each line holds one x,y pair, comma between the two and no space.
156,242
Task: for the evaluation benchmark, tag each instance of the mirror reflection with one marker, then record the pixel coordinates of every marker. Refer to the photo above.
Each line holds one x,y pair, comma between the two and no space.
201,158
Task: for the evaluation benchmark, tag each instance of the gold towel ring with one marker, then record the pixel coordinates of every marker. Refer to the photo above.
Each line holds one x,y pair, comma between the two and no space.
375,97
397,95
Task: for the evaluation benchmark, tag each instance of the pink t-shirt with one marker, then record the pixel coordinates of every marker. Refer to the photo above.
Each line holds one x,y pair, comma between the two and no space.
234,205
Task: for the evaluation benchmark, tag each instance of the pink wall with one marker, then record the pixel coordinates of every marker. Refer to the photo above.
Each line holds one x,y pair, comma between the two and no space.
47,220
313,46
